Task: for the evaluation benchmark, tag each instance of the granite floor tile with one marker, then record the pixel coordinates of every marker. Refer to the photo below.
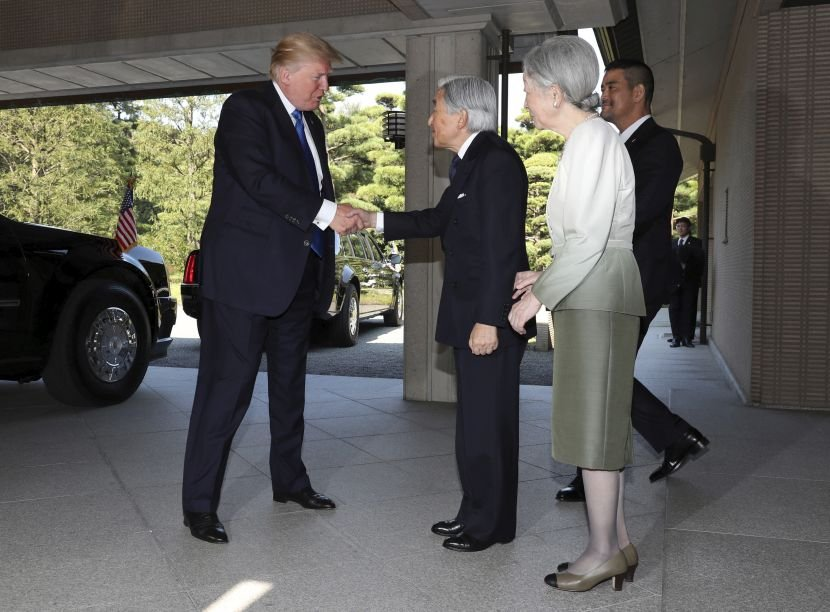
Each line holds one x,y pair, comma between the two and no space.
366,586
406,445
712,571
260,548
56,480
372,482
117,573
748,505
367,425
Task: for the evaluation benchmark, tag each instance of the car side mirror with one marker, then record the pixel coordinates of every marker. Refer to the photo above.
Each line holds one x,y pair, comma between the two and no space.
395,258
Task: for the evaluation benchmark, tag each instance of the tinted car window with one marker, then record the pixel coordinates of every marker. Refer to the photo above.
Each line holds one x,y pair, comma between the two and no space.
374,249
357,243
345,246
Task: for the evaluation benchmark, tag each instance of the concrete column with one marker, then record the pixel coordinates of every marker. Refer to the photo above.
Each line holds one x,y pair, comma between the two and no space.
429,372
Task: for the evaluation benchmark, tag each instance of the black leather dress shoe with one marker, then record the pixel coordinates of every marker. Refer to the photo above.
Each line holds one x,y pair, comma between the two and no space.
689,445
688,343
206,526
448,528
675,343
573,492
465,543
307,498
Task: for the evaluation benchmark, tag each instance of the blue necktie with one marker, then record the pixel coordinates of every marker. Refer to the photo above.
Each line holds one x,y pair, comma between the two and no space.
317,242
454,166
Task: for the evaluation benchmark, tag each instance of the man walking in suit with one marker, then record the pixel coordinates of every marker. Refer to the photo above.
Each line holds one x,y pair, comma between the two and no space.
481,221
267,264
689,261
627,90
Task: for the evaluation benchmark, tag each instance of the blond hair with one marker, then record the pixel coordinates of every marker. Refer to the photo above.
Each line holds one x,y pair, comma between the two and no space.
300,47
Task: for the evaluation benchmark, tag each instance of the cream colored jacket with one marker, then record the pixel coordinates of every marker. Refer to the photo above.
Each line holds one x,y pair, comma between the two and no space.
590,215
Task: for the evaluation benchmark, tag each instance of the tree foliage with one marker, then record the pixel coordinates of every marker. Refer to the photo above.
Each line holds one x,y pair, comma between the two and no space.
685,200
174,147
63,166
67,166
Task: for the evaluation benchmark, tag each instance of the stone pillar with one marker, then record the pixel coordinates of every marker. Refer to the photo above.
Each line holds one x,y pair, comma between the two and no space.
429,372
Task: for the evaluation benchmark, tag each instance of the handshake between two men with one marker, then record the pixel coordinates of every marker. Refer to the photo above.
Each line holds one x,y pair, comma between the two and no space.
348,220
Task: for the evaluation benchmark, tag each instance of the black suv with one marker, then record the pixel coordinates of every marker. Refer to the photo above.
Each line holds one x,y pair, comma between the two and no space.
368,284
78,312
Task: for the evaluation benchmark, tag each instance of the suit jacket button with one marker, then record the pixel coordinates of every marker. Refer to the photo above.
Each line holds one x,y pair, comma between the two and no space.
306,243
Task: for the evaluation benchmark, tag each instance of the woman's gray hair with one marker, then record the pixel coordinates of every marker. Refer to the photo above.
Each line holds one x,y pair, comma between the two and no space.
570,63
474,95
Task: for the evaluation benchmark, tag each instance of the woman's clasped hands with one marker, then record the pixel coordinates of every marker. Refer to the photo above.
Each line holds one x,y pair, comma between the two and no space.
525,308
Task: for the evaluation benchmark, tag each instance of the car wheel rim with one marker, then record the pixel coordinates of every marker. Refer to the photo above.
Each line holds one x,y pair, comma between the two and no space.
111,345
353,317
399,306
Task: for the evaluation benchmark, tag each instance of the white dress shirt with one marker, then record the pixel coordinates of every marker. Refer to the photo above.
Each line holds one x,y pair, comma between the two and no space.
327,211
461,151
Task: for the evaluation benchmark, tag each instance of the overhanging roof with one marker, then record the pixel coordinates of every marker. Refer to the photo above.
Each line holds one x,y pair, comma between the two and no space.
92,49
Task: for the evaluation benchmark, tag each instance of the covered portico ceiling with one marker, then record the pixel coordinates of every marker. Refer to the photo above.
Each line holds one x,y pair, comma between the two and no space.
88,47
93,49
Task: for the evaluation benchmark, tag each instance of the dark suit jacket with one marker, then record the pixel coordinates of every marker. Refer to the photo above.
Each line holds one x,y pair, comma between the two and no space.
657,166
691,256
257,233
481,221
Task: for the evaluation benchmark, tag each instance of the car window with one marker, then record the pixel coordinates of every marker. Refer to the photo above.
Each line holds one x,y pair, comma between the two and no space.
359,249
378,256
345,246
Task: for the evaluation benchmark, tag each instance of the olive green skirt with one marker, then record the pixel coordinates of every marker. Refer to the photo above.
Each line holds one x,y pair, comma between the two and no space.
593,378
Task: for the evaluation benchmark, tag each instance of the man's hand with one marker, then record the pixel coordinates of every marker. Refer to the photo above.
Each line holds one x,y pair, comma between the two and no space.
347,220
483,339
522,311
524,281
367,219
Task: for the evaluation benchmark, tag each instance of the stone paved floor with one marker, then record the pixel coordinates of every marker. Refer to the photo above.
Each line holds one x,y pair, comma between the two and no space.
90,511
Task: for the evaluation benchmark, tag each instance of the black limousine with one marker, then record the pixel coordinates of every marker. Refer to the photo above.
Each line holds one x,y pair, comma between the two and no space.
80,313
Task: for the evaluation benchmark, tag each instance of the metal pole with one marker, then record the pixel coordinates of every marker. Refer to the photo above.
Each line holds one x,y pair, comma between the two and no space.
505,73
704,238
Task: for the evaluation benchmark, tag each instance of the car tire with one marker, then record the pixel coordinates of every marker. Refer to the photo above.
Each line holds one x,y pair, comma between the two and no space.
101,347
346,325
394,317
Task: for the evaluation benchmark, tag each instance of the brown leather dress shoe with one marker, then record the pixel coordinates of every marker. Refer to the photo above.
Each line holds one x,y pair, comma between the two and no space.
206,526
307,498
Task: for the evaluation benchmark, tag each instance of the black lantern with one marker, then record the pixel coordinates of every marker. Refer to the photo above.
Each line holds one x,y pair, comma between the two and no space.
394,128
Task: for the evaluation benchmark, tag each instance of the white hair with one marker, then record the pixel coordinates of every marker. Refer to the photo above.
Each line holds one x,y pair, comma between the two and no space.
474,95
570,63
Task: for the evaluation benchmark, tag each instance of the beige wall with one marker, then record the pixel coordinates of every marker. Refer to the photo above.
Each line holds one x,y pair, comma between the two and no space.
731,230
791,276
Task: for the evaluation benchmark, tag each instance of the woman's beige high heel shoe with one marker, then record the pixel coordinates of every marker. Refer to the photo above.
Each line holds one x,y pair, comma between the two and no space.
631,558
615,568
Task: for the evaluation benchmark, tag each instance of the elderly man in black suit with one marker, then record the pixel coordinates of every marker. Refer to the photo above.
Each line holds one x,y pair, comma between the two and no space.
627,90
689,261
481,221
267,265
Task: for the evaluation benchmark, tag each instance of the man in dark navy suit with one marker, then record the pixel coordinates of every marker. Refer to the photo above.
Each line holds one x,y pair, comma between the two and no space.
627,90
267,264
689,262
481,221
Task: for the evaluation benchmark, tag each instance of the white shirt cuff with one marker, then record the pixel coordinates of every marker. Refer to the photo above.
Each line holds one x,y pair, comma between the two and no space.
379,221
326,214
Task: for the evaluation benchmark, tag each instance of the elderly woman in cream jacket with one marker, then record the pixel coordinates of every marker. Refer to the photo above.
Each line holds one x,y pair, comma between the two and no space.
593,286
